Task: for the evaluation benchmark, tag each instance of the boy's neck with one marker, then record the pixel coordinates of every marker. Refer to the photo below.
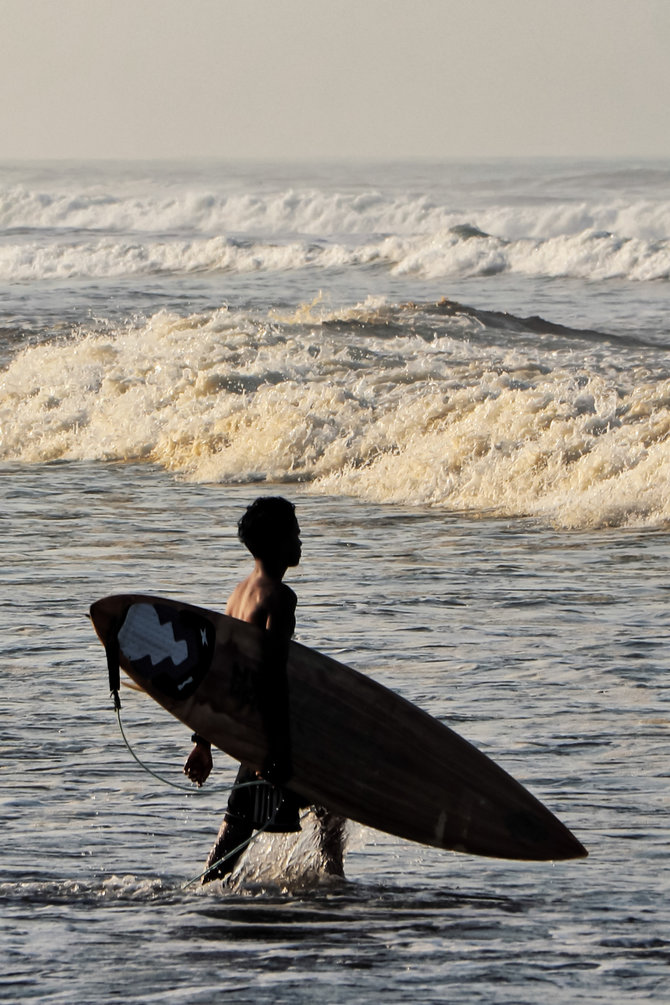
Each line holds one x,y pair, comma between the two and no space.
269,569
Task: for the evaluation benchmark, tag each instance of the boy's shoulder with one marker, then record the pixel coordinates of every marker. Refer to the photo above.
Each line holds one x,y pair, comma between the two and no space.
259,598
285,596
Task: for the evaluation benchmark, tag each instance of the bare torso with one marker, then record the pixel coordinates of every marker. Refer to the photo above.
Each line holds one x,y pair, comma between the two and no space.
263,600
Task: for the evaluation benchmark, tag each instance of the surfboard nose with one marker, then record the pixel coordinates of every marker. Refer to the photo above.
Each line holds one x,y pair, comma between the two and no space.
543,837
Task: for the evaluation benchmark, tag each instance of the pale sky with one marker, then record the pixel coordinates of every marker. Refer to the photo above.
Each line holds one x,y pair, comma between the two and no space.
298,79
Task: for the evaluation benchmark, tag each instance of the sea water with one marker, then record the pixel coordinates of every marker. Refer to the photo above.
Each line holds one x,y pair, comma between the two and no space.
459,373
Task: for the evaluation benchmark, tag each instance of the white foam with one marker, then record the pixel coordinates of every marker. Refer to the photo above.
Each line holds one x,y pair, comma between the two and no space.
180,207
133,230
588,255
442,422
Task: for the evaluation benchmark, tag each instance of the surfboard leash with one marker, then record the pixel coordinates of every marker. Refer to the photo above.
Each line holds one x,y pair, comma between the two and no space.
113,670
241,847
112,653
252,837
161,778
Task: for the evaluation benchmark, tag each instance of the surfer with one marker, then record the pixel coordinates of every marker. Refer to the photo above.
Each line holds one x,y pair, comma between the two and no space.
270,531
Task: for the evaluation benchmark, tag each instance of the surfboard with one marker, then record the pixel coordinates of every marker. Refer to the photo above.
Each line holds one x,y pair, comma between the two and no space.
357,748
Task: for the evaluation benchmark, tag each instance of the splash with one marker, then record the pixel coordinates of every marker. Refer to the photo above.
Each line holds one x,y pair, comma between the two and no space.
285,862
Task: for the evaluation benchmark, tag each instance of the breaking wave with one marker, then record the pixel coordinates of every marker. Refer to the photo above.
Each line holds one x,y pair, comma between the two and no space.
413,405
89,228
589,255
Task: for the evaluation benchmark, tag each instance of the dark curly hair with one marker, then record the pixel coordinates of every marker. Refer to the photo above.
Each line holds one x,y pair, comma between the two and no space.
265,522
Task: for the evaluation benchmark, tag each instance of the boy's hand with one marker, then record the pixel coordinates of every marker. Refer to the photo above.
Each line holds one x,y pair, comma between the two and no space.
199,763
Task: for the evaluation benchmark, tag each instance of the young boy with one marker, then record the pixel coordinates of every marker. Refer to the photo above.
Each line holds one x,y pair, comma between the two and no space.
270,530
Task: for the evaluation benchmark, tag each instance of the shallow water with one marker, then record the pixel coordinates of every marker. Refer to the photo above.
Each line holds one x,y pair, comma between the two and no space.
548,650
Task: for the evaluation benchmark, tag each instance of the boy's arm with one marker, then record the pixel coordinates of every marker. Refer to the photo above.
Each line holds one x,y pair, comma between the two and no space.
281,613
280,626
274,709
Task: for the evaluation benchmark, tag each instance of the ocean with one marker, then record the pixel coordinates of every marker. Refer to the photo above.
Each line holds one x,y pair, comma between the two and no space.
459,373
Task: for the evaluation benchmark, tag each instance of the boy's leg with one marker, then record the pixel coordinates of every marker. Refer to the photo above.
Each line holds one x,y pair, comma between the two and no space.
331,839
236,828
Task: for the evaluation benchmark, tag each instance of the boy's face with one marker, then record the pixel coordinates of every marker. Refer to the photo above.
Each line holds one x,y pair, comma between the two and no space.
293,546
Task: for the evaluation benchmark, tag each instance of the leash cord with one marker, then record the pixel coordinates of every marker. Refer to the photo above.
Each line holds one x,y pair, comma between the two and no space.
186,788
245,844
161,778
241,847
